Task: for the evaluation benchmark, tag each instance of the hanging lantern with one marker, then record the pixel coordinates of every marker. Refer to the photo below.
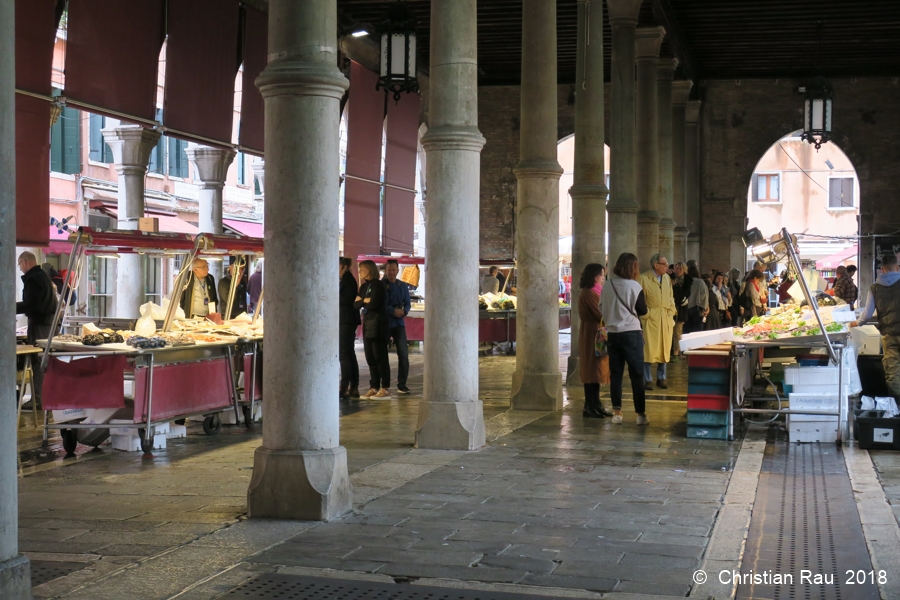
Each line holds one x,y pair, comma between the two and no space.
398,52
817,113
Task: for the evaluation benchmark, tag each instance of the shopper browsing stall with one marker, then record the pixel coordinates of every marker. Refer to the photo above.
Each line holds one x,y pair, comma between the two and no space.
39,305
371,300
884,302
397,305
490,284
239,304
659,321
594,369
199,298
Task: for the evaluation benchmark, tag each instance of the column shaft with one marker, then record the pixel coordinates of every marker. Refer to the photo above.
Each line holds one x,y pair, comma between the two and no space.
15,570
680,92
692,177
451,416
131,146
537,382
623,207
589,186
665,73
300,471
647,41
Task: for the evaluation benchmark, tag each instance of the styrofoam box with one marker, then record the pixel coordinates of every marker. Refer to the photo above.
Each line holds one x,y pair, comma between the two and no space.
808,388
866,339
132,443
69,414
812,418
700,339
176,431
797,375
812,432
813,401
159,428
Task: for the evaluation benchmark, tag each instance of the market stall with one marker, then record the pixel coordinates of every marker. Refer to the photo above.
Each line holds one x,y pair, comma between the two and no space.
497,314
795,361
178,369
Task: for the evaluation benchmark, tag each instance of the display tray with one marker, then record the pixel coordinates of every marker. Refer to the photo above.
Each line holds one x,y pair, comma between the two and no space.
125,348
796,342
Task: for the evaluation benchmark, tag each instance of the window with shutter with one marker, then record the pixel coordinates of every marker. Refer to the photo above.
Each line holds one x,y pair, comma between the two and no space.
241,169
98,150
158,154
65,142
178,162
840,193
766,188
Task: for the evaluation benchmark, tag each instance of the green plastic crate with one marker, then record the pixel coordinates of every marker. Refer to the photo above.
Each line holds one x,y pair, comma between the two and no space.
707,417
709,432
709,376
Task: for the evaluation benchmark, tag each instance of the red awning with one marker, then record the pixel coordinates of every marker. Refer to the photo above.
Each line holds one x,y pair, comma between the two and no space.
36,22
255,53
59,242
201,63
402,135
254,230
167,223
838,258
112,55
32,170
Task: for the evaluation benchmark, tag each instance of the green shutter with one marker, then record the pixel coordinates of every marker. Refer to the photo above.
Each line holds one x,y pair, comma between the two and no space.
241,168
96,138
71,128
56,146
158,154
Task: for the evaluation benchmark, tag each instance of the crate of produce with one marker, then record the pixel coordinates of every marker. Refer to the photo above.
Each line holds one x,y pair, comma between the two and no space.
815,402
709,432
715,376
707,402
708,389
709,361
707,417
874,432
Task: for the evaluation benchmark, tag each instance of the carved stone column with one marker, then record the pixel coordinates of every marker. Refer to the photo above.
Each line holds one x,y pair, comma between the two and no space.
680,92
647,42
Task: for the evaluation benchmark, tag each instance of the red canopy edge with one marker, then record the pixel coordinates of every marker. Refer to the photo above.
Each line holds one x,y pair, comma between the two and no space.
136,241
420,260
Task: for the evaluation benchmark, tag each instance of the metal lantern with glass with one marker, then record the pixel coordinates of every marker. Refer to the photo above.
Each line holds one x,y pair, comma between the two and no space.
398,52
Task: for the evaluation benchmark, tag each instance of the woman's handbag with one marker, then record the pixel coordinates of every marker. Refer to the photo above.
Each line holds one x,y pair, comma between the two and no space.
371,328
601,341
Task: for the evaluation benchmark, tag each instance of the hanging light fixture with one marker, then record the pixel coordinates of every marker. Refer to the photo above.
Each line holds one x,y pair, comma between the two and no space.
398,52
817,113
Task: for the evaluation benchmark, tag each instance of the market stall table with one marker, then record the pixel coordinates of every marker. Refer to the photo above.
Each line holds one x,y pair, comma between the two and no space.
27,377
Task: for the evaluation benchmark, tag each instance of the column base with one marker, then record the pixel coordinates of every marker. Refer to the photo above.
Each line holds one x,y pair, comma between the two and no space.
450,425
15,579
302,485
536,391
573,374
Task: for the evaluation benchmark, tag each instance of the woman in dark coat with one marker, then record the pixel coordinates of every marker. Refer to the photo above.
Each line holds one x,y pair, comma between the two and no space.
349,322
594,369
375,335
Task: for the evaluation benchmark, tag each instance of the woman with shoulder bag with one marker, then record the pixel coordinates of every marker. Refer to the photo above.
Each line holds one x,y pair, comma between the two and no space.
593,360
622,304
698,303
374,321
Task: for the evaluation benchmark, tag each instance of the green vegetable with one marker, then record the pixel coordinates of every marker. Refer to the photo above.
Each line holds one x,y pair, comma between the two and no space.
773,336
814,331
753,321
796,333
759,337
834,327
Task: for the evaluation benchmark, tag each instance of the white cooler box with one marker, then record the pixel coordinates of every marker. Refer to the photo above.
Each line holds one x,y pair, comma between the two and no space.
812,431
813,427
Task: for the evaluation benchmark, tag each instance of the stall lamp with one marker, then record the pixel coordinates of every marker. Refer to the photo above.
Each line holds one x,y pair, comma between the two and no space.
817,113
753,237
360,33
110,256
398,52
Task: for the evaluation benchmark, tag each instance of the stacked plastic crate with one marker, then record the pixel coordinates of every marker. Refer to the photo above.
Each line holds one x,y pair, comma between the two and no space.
813,387
709,377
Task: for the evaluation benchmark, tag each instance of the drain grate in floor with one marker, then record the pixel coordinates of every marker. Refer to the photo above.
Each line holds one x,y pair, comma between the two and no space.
805,523
43,571
297,587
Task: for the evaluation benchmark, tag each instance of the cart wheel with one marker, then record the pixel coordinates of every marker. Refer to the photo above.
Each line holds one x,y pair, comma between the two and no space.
146,447
212,425
69,440
248,417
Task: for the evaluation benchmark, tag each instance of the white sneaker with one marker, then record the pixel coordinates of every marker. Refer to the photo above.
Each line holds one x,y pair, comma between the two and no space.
617,419
643,420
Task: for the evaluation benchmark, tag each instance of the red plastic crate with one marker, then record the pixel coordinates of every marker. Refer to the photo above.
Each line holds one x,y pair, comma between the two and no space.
709,361
704,402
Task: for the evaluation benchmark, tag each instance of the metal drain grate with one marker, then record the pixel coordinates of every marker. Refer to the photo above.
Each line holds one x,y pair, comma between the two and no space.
43,571
296,587
805,519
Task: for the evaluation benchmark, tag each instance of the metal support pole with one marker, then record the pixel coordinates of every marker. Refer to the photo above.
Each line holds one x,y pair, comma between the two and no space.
148,434
61,306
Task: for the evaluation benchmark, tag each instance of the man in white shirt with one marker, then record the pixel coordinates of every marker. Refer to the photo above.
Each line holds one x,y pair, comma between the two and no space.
199,298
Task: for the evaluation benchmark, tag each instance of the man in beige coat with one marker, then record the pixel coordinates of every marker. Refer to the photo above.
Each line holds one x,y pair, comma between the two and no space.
659,322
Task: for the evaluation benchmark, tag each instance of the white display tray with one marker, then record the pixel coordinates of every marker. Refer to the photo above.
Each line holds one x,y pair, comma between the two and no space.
701,339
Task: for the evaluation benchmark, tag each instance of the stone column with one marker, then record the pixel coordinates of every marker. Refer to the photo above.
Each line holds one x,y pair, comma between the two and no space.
665,72
692,177
15,570
131,146
537,382
212,169
647,42
680,92
589,186
622,206
300,471
451,416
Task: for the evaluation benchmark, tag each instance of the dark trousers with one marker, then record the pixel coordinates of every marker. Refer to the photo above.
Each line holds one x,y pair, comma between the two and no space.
591,396
37,332
398,334
377,359
627,348
347,355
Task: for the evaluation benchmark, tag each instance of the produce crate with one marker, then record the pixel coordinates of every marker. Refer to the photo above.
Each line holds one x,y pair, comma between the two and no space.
705,402
709,361
875,432
708,389
710,432
715,376
707,417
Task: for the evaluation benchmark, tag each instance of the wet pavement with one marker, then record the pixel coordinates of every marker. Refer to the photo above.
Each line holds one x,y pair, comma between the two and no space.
553,504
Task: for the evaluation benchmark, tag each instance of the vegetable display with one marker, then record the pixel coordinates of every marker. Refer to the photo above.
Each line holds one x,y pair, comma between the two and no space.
788,321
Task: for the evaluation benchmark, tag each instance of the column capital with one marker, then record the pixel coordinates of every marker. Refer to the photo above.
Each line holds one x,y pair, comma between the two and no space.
667,223
623,206
211,164
453,137
681,90
623,12
289,78
692,111
131,145
589,191
665,68
647,41
537,168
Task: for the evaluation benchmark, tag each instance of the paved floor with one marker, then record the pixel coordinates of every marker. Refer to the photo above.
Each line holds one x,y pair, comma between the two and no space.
554,504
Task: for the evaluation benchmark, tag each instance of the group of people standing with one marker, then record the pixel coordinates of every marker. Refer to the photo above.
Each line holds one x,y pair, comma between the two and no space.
380,306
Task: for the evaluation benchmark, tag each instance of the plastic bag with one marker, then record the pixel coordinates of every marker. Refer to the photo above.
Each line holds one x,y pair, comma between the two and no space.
868,403
179,312
145,326
888,405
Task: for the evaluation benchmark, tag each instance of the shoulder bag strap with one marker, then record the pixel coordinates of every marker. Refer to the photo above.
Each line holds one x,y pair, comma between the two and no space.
628,308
